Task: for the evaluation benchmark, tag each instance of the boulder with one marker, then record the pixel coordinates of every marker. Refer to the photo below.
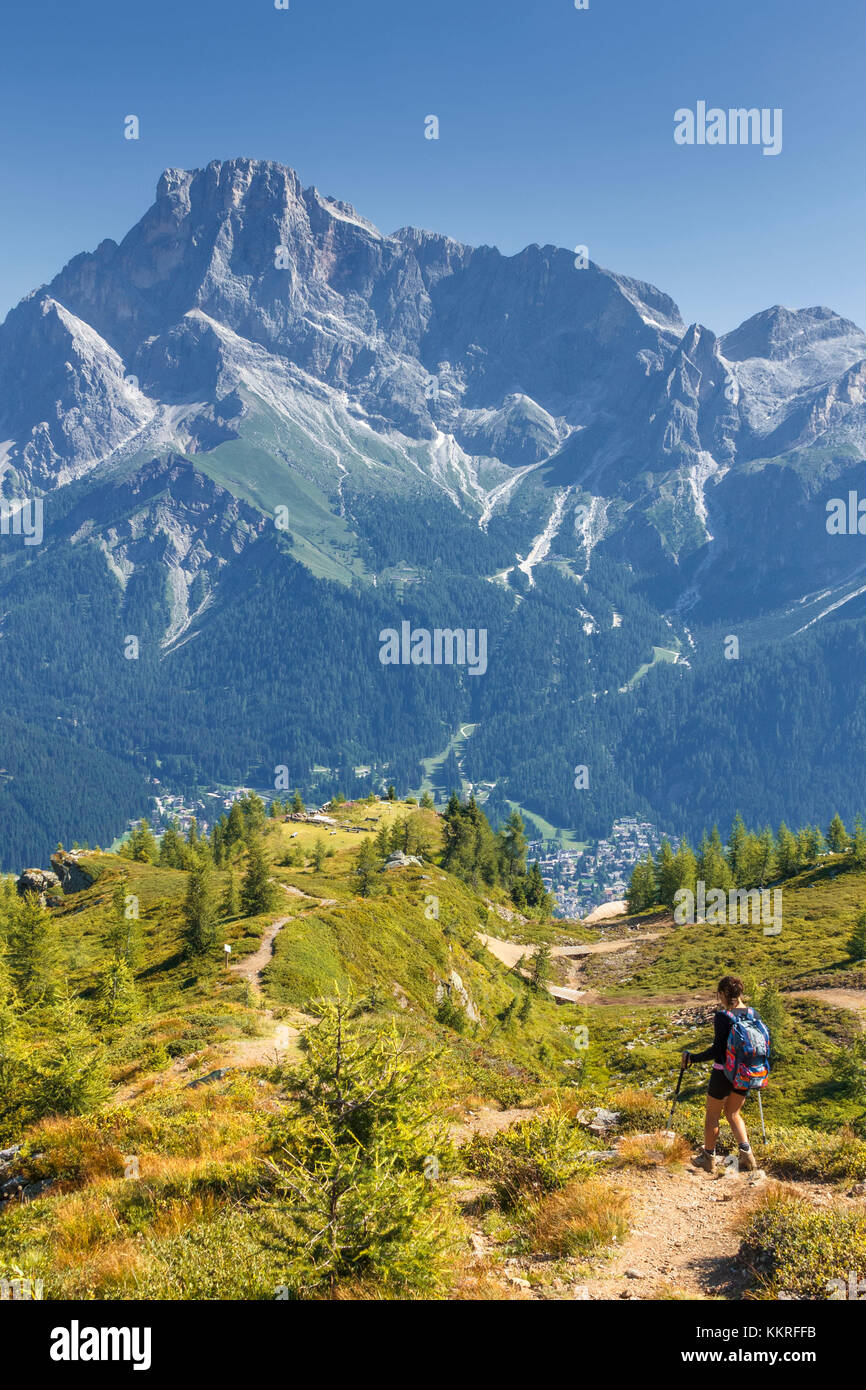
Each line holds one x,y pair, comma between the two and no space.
209,1080
598,1120
399,860
38,881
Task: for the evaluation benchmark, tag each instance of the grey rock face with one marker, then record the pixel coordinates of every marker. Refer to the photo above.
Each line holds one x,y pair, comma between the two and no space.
72,876
244,307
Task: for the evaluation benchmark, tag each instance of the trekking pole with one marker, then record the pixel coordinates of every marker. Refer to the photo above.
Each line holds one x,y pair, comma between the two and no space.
761,1110
676,1095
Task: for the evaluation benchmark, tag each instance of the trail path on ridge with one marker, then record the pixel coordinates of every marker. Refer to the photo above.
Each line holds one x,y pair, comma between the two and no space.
684,1231
511,953
853,999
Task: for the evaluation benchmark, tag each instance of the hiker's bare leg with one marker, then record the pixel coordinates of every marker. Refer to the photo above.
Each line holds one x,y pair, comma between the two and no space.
733,1106
711,1123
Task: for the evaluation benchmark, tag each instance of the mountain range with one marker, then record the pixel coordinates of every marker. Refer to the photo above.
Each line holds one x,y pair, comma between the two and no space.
262,431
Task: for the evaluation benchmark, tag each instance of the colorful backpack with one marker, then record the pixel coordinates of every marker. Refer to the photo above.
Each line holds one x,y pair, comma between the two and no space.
747,1060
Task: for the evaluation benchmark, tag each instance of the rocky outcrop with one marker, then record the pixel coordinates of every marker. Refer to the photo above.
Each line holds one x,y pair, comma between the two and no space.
70,873
399,860
454,989
42,882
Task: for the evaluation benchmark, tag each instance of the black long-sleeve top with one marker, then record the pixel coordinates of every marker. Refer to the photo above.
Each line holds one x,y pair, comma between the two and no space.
719,1046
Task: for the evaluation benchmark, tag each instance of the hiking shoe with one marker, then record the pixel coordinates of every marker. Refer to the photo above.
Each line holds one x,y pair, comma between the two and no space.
705,1161
746,1162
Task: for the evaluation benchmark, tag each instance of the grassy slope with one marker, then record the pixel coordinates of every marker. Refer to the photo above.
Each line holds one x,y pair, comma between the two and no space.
203,1188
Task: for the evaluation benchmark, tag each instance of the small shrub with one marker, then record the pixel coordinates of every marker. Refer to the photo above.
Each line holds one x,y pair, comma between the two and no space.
639,1110
531,1158
795,1248
798,1152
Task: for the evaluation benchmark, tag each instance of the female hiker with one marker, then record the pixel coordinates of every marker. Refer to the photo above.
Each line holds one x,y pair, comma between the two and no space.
722,1094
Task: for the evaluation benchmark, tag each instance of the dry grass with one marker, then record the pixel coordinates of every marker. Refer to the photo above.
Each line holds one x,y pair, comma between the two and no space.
657,1150
582,1217
768,1197
483,1286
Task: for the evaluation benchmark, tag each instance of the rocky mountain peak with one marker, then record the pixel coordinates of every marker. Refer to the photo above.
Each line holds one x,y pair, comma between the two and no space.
780,333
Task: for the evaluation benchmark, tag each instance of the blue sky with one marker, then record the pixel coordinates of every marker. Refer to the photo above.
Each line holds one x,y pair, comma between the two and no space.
556,126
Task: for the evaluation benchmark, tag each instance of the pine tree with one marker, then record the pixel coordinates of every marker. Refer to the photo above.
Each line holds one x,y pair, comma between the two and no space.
142,845
231,902
12,1051
766,863
257,891
713,868
199,913
34,950
297,803
541,966
392,795
123,936
788,852
837,835
768,1001
537,895
353,1161
811,844
512,846
858,844
171,848
427,802
686,868
253,811
667,875
218,842
419,838
470,849
366,867
383,841
116,998
70,1074
235,825
736,848
319,851
642,886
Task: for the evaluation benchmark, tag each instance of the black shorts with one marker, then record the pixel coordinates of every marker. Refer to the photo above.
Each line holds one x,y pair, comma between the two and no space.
720,1087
